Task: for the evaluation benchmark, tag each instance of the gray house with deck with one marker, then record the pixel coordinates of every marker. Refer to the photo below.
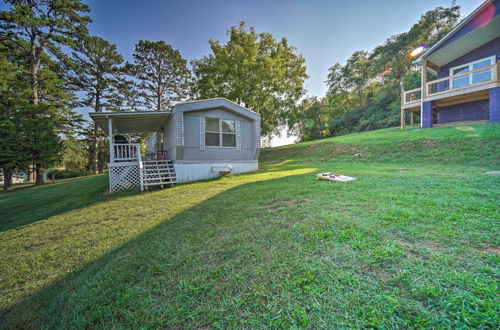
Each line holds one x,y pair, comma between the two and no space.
195,140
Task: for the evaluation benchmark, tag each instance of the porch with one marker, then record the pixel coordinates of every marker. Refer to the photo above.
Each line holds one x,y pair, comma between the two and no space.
128,166
466,87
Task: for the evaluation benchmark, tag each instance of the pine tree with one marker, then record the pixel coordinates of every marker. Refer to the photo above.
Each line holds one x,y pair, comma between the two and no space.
96,70
162,74
40,28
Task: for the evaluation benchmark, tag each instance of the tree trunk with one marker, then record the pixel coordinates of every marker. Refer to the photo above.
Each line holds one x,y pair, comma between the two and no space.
31,173
7,179
95,151
39,175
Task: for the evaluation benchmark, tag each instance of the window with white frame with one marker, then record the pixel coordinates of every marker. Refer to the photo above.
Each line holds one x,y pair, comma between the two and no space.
474,78
220,132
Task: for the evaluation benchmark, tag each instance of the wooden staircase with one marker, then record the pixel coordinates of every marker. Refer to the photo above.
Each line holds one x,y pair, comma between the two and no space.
157,173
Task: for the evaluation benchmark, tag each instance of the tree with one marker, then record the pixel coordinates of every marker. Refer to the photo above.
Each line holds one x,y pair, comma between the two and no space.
96,70
313,121
13,87
39,28
256,71
162,74
359,98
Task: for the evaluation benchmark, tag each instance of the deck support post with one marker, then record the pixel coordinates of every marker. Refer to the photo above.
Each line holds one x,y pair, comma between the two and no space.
110,134
411,119
423,89
402,102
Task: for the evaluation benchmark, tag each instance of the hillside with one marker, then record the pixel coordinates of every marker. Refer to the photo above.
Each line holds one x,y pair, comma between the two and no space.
412,243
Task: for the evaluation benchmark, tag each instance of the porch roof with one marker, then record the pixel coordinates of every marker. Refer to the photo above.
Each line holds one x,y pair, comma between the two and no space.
131,122
472,32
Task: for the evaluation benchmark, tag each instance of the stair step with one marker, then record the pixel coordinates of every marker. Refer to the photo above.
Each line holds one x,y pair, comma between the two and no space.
161,172
156,177
166,170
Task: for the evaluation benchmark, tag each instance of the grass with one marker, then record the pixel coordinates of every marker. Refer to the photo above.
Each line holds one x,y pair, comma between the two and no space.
412,243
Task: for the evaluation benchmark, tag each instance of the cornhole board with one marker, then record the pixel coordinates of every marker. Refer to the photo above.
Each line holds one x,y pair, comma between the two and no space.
334,177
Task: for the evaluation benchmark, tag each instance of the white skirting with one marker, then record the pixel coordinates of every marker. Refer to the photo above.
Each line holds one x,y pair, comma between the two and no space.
124,175
190,171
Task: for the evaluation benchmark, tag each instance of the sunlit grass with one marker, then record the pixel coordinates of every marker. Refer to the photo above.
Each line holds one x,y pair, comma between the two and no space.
412,243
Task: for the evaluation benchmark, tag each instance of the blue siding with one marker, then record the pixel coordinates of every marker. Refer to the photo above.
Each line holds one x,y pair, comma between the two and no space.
488,49
427,114
470,111
476,22
494,105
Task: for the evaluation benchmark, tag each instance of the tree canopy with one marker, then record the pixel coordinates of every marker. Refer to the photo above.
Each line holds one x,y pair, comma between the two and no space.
162,74
360,98
255,70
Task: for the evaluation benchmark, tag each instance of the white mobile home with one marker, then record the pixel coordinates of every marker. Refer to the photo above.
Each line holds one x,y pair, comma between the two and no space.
195,140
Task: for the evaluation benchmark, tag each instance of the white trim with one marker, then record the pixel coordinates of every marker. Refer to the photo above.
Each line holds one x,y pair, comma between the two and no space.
202,133
452,32
238,135
221,133
128,113
470,67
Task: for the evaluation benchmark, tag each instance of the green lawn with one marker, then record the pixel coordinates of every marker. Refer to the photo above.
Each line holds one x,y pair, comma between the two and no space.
414,242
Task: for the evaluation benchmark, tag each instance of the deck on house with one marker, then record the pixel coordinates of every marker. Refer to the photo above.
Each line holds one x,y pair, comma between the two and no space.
460,88
127,168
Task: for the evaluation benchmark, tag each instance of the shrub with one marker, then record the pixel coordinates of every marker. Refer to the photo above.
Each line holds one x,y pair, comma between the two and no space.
63,174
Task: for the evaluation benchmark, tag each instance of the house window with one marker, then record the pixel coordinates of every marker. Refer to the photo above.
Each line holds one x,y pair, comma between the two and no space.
474,78
220,132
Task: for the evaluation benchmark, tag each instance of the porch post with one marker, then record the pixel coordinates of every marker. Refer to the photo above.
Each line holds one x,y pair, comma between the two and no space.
495,105
110,134
423,92
402,109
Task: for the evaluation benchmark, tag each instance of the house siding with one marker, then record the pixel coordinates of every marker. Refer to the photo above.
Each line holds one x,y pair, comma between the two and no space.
192,150
488,49
479,20
470,111
494,105
170,138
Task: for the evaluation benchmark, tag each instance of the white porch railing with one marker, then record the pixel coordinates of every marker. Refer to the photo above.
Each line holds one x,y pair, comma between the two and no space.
126,152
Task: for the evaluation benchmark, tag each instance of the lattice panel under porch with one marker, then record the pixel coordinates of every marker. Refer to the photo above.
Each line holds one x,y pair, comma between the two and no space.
122,177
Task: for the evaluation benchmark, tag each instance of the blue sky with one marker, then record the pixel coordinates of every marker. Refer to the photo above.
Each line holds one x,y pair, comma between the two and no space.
323,31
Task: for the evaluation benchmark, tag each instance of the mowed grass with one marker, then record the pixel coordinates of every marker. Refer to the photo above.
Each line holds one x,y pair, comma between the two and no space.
414,242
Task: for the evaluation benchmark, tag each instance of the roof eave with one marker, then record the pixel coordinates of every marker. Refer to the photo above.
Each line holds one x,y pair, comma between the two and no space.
451,33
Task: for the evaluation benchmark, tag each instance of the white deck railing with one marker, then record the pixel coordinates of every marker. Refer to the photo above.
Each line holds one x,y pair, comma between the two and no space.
126,152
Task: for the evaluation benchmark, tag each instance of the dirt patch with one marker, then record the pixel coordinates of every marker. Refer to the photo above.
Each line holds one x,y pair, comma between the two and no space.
402,171
421,143
489,250
493,172
341,150
295,202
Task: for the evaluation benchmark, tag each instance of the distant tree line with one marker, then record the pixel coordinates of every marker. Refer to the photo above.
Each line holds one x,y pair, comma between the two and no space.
50,66
359,98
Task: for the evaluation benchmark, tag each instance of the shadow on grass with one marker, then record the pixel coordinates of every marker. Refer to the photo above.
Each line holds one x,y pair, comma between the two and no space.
31,204
194,242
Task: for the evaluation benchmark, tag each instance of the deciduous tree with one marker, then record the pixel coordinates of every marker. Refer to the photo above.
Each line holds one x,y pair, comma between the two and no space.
256,71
